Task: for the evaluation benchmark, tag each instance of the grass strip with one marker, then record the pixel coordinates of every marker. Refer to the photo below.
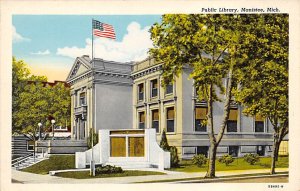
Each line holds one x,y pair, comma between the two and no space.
238,164
55,162
86,174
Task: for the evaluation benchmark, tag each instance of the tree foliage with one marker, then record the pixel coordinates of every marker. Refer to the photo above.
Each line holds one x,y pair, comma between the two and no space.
264,74
207,44
20,77
172,149
164,142
240,49
33,101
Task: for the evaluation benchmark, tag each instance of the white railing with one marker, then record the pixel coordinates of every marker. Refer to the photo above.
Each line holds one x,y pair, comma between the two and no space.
18,161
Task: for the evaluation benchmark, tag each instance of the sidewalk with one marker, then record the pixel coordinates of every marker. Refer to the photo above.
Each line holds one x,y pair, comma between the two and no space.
26,178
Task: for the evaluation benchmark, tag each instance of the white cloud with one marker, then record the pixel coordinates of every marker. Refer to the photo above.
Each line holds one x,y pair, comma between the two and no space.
18,37
133,47
46,52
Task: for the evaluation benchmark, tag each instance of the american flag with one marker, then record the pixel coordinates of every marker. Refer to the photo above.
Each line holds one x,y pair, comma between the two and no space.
103,30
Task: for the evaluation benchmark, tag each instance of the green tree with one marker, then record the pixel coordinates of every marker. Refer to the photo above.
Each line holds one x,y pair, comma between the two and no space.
164,142
207,44
60,103
34,101
264,78
32,109
172,149
20,77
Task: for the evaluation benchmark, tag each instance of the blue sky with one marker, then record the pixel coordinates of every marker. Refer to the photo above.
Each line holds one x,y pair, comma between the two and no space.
50,43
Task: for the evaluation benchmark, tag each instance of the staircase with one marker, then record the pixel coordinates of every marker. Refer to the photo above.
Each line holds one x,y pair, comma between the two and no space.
28,160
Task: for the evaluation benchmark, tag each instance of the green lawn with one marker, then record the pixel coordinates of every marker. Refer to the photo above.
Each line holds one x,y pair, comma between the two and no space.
86,174
238,164
55,162
62,162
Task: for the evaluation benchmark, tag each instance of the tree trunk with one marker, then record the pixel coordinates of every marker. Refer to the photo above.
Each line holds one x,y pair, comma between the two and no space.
277,150
274,154
211,173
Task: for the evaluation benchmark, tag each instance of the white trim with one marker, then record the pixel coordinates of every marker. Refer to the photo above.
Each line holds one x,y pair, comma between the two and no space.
166,119
144,92
138,117
30,145
127,136
150,80
265,126
159,119
254,139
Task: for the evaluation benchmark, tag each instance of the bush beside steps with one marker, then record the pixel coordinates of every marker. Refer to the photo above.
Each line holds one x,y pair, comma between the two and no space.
108,169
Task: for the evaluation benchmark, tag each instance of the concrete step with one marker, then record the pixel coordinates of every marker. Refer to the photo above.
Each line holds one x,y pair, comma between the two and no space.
26,163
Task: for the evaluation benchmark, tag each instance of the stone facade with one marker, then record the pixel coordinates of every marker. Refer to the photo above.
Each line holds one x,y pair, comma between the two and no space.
112,95
180,114
101,94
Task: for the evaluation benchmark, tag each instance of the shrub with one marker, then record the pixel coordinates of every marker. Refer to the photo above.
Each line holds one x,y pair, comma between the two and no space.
108,169
164,142
174,157
172,149
199,160
251,158
226,159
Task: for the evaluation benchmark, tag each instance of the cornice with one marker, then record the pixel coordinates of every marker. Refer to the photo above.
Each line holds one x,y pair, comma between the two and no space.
146,71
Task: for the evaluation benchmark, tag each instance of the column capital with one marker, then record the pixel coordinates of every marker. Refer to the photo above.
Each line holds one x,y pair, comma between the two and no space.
72,92
90,85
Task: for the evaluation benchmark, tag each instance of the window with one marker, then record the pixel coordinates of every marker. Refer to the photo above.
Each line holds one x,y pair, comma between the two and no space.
30,145
200,117
232,121
141,92
234,151
118,147
260,150
202,150
170,119
259,124
136,146
154,88
169,88
142,120
82,100
155,120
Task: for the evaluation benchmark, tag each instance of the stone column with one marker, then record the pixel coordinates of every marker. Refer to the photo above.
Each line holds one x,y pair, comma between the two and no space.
78,129
147,117
73,122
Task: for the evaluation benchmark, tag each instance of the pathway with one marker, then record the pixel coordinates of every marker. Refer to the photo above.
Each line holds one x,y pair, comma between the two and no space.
25,177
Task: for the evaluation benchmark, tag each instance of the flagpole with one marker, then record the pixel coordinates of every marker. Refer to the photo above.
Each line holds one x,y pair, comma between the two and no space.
92,164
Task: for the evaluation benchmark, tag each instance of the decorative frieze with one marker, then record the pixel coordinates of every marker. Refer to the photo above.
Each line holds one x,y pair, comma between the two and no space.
146,71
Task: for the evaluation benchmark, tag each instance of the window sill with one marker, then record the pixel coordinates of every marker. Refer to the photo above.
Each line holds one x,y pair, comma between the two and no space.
170,133
200,133
234,133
